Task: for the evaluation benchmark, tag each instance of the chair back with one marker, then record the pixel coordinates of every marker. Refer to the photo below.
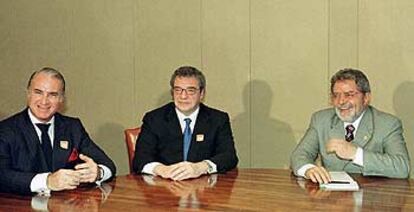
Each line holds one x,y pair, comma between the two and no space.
131,136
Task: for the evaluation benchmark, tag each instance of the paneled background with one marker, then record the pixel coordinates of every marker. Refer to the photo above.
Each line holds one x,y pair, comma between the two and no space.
267,62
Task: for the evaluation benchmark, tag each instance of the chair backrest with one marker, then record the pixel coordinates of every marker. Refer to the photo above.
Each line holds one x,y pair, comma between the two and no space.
131,136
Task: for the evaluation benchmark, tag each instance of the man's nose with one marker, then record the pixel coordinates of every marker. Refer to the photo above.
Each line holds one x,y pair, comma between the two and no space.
45,99
183,94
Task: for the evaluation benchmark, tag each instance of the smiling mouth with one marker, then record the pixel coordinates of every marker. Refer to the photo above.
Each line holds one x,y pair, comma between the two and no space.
43,108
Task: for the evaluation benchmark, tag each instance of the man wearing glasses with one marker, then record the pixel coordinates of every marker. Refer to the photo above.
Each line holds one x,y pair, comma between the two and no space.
185,138
352,136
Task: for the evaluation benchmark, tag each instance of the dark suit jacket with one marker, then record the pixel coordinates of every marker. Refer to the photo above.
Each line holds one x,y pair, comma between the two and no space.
161,139
21,157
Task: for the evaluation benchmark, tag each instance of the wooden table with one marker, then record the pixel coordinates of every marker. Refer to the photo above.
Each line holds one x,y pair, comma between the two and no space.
238,190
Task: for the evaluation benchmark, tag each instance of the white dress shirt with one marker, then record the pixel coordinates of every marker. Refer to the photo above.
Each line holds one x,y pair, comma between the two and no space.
359,155
149,167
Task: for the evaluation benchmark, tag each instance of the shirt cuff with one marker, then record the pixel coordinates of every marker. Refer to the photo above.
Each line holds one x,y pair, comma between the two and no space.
213,166
302,170
39,183
149,167
359,157
106,174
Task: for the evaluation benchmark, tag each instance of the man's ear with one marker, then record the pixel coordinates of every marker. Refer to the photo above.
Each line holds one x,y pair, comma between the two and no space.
202,94
367,98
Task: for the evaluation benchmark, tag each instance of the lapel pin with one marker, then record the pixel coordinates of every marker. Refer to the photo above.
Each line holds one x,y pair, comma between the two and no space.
200,137
64,144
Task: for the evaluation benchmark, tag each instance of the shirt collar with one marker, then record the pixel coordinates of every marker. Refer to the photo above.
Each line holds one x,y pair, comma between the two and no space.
356,122
192,116
34,120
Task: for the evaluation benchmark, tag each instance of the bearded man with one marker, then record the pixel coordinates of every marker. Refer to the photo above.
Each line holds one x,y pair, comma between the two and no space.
352,136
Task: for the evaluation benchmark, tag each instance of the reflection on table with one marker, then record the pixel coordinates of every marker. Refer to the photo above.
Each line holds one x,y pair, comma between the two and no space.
245,189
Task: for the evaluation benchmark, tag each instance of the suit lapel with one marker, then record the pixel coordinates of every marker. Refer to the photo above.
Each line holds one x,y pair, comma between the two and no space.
337,128
60,151
32,140
365,129
337,131
200,128
174,130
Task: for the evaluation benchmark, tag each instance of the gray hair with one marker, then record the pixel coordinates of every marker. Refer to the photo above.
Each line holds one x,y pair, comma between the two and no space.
352,74
189,71
49,71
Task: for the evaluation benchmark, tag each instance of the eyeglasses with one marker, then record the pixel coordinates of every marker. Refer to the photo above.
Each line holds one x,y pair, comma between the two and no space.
346,95
189,91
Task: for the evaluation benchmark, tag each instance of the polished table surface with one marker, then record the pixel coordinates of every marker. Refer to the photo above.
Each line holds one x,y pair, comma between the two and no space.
238,190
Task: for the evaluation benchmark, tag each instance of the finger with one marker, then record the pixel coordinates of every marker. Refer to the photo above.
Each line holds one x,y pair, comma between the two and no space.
72,173
74,182
317,177
83,166
182,176
72,178
326,174
323,177
88,165
85,158
312,177
172,168
82,172
176,172
69,187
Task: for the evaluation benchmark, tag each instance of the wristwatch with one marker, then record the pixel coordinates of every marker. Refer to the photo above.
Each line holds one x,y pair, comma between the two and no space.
209,167
100,174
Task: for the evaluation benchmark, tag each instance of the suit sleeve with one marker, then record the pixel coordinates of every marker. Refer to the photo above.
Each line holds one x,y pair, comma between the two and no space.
90,149
145,147
225,153
11,180
393,161
307,150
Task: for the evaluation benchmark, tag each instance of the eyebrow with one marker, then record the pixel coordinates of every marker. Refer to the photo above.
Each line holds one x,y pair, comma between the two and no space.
42,91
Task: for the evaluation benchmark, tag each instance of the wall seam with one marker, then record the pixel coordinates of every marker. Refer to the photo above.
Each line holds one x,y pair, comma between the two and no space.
329,12
250,84
134,56
201,35
357,33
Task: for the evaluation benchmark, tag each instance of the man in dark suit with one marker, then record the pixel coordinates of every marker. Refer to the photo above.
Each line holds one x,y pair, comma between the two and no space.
185,138
42,150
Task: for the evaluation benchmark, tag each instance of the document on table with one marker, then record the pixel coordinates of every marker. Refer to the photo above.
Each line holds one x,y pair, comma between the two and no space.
340,181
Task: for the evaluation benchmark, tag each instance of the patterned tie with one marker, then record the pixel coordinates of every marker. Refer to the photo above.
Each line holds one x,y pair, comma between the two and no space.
349,136
187,137
46,144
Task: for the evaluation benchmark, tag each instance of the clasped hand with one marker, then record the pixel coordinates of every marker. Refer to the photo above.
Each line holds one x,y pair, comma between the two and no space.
341,148
182,170
66,179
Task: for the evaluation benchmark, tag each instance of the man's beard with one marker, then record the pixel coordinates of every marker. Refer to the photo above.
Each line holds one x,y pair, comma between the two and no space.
353,114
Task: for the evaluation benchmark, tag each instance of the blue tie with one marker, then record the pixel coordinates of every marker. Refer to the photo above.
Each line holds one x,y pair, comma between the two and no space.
187,137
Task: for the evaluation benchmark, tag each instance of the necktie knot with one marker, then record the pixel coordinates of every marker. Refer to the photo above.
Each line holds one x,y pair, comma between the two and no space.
349,136
44,128
187,121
